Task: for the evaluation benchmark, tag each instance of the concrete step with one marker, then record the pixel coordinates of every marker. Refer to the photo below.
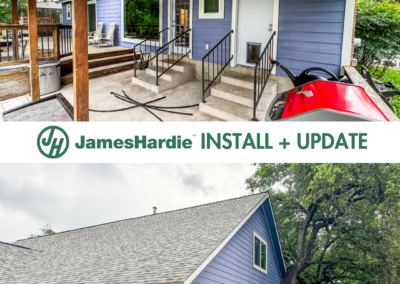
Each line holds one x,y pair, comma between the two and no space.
149,82
101,71
169,75
247,81
229,111
200,116
241,96
170,79
180,66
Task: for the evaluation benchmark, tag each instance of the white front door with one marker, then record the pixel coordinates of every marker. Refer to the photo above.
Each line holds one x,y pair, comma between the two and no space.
181,23
255,28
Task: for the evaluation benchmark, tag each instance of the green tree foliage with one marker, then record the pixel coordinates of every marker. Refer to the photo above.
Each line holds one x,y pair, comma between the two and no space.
338,223
378,25
45,231
142,12
5,10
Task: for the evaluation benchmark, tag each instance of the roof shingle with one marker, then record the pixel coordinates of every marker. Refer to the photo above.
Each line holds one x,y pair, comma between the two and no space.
162,248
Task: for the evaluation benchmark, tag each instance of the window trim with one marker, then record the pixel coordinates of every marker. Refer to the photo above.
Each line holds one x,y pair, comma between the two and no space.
135,41
254,253
219,15
70,14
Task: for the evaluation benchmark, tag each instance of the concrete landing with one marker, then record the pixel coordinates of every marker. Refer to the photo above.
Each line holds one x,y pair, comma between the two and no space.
233,98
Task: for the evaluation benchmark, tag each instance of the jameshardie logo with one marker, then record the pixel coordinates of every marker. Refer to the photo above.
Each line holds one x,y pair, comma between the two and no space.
53,142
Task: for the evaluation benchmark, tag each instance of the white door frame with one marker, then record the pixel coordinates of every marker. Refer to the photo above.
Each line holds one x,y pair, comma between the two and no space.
347,35
235,16
171,34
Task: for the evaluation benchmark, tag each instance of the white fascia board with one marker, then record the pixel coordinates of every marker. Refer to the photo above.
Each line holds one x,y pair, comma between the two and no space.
277,233
223,244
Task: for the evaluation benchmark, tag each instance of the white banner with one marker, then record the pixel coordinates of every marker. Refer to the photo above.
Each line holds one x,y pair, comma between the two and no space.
199,142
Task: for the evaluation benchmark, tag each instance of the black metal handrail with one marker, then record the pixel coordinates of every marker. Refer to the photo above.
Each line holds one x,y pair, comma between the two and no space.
145,56
262,71
223,59
183,41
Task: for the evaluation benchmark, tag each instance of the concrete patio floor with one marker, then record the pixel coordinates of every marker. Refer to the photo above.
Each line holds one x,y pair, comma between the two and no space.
100,98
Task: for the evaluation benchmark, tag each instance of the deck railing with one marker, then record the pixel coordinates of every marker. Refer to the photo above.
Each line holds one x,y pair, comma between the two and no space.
146,51
180,49
262,71
220,56
64,40
54,42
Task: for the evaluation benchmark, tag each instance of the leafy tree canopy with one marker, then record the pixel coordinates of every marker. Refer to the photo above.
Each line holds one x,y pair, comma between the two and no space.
338,223
45,231
378,25
5,10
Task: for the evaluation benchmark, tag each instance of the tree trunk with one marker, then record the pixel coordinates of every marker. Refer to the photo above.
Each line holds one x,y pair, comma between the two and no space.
292,272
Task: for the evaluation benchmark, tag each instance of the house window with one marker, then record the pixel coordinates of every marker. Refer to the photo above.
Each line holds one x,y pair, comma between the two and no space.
211,9
69,12
141,19
260,254
211,6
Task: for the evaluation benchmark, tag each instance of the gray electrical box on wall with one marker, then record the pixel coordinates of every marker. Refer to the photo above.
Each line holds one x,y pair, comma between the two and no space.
207,46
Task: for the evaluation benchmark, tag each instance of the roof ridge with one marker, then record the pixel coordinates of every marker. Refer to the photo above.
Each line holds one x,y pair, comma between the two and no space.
9,244
129,219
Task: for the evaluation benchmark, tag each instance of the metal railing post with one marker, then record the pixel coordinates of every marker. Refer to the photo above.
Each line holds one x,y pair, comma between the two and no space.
265,72
157,68
204,93
218,60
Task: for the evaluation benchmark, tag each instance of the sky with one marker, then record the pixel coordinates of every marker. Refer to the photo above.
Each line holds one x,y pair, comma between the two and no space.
75,196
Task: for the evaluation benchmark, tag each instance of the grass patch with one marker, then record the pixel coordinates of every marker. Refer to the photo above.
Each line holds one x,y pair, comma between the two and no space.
391,76
394,77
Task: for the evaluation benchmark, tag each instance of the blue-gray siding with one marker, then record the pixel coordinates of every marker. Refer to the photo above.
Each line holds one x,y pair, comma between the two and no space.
64,13
310,34
234,263
209,30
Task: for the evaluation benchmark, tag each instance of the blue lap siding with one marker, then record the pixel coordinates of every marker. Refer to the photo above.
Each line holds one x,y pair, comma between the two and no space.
234,263
209,30
310,34
64,13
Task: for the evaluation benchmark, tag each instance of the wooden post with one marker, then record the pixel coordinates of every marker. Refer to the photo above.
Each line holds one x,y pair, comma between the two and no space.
33,50
80,60
14,21
56,42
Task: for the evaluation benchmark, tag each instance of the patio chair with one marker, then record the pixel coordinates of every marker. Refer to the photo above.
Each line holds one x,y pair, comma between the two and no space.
109,37
94,36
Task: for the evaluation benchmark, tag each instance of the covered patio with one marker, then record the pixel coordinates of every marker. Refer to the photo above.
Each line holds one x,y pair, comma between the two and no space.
100,98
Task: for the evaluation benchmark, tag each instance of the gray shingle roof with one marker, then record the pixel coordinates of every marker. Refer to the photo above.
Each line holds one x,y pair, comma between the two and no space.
15,263
162,248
